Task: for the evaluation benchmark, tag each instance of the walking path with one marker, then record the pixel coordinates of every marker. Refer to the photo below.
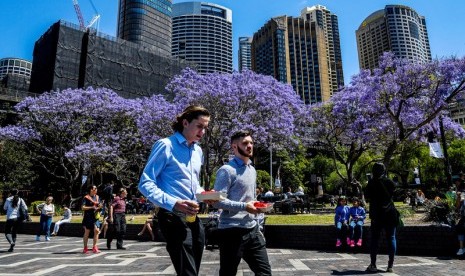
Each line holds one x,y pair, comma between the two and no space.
62,256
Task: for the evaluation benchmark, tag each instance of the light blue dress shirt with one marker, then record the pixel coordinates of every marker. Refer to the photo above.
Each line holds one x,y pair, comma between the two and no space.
172,172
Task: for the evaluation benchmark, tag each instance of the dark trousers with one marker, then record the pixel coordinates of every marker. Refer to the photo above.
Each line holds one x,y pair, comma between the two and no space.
376,227
11,228
184,242
247,244
118,230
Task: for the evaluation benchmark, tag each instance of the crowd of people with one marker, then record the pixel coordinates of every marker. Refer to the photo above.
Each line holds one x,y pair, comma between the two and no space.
170,180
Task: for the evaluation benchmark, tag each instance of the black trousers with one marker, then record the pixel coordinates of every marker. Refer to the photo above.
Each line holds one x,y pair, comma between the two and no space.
184,242
118,230
11,228
247,244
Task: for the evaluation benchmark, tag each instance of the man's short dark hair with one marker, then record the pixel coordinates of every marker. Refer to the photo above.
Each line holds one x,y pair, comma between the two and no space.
240,134
190,113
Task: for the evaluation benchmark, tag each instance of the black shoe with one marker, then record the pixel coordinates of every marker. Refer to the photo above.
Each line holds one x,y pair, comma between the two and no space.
11,248
108,245
121,248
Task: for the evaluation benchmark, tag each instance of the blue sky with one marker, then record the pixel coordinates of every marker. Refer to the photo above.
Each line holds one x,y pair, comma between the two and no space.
22,22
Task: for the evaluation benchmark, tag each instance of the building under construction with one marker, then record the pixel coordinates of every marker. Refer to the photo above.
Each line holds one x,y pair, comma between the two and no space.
67,57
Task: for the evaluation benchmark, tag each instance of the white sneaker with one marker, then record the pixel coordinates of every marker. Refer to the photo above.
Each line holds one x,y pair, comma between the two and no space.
460,252
47,239
37,238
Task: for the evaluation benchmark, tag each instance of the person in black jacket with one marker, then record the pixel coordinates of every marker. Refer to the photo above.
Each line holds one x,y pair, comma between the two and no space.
383,214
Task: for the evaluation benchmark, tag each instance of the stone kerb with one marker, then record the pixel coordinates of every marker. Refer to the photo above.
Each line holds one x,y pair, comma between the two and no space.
411,240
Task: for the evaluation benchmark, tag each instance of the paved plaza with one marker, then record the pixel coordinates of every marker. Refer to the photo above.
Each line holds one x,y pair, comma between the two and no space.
62,256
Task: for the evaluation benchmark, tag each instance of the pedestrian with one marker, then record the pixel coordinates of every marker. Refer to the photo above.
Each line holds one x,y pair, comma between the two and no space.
91,206
117,219
170,180
383,214
460,226
15,207
341,221
240,236
356,221
67,215
46,210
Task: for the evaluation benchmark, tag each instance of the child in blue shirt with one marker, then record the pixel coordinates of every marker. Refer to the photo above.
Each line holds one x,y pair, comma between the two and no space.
341,219
357,218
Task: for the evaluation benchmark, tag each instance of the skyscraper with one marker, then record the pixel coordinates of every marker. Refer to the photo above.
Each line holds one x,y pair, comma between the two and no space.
245,60
303,51
202,34
329,22
396,28
146,22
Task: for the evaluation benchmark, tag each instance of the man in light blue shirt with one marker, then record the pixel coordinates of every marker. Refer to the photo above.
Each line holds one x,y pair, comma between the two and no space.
240,237
171,180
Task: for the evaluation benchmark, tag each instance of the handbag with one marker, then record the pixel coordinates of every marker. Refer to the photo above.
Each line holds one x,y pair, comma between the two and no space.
22,212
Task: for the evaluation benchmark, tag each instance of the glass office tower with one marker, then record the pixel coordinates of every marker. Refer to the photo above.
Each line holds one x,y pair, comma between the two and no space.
146,22
202,34
396,28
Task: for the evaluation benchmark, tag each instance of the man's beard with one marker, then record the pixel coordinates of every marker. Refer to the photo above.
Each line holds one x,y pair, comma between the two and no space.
244,153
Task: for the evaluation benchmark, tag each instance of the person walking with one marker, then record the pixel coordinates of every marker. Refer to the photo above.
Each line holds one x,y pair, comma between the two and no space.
91,207
383,214
46,210
67,215
117,219
240,236
14,206
170,180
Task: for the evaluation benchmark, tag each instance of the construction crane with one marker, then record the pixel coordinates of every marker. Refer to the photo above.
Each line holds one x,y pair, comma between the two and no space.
95,18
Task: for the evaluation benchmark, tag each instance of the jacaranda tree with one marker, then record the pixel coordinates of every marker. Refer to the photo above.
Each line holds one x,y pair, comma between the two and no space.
387,106
80,132
270,109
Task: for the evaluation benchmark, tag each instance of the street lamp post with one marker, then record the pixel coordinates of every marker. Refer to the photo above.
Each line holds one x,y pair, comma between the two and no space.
271,166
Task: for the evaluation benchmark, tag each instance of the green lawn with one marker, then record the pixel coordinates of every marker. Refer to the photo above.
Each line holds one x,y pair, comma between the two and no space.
304,219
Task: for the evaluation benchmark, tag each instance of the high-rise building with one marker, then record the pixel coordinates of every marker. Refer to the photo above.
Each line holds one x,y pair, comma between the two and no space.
146,22
329,22
15,73
298,51
396,28
202,34
16,66
66,57
245,60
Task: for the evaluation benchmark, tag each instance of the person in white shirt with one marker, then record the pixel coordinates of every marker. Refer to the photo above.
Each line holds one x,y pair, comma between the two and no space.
46,210
66,219
13,206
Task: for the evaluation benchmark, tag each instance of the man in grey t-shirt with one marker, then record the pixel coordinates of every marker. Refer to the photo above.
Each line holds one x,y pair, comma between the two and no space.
240,237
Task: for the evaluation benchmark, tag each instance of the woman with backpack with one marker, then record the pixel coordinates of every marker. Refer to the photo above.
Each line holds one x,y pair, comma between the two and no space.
16,212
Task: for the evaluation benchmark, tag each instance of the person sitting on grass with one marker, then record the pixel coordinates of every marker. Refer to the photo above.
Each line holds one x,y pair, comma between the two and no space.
357,217
341,218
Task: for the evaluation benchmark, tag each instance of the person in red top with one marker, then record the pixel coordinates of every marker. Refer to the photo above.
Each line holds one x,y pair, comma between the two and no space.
117,218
